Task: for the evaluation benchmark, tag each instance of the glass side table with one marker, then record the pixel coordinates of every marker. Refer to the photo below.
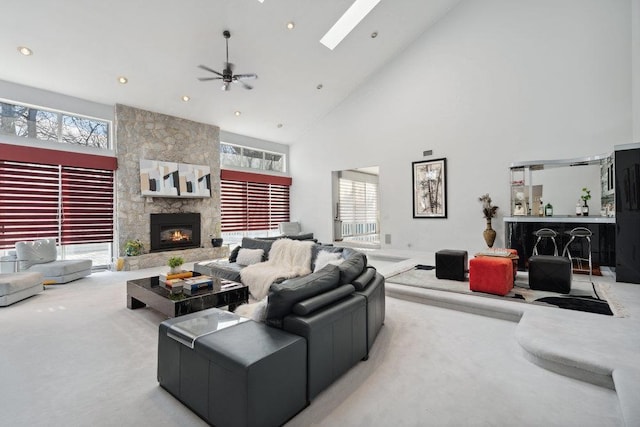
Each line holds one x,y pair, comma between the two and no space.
186,329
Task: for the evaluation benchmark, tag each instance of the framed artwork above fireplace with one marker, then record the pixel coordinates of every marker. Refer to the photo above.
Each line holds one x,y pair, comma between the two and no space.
169,179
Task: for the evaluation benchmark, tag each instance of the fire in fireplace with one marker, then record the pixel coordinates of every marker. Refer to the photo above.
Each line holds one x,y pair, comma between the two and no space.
175,231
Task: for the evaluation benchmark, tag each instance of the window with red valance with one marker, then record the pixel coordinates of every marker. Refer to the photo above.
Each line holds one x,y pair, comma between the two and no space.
251,201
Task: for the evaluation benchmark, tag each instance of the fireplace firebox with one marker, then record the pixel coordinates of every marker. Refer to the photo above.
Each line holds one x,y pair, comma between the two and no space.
175,231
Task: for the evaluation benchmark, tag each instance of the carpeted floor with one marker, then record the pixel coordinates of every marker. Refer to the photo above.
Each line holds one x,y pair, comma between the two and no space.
581,297
75,355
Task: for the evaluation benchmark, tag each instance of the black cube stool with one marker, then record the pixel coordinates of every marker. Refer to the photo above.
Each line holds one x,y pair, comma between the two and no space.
550,273
451,264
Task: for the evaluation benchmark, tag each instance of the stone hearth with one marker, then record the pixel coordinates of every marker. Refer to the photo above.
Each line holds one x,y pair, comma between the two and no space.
160,258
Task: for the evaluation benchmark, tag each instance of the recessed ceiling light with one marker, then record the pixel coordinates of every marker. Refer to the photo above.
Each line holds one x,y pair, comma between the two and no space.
319,86
279,125
347,22
291,25
374,34
122,80
25,50
237,113
185,98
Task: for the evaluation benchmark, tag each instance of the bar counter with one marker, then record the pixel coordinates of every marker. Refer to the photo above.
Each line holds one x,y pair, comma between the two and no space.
520,235
574,219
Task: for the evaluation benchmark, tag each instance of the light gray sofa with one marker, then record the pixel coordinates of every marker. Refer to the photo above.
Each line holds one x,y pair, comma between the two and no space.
18,286
40,256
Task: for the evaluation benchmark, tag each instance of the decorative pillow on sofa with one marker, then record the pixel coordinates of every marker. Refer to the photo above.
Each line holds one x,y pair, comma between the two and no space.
325,257
249,256
353,265
233,256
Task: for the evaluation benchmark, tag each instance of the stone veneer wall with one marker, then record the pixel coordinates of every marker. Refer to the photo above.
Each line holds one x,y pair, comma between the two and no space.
147,135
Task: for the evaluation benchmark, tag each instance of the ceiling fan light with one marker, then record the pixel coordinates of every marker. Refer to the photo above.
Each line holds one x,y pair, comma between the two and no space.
291,25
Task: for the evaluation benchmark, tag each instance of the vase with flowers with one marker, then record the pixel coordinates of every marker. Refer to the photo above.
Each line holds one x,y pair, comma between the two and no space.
586,195
489,212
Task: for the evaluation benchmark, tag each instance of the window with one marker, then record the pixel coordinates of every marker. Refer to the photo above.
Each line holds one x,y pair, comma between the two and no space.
62,195
49,125
358,207
71,204
252,204
237,156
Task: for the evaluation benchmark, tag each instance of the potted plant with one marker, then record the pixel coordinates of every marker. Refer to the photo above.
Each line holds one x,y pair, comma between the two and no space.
133,247
489,212
175,262
586,195
216,241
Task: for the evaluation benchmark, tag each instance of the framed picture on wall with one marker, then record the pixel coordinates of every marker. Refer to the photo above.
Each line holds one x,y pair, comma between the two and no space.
430,188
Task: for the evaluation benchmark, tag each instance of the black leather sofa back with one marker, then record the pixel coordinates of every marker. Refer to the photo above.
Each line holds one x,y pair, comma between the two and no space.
283,296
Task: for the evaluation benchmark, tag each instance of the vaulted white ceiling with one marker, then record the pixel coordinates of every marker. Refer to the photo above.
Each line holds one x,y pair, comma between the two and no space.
81,48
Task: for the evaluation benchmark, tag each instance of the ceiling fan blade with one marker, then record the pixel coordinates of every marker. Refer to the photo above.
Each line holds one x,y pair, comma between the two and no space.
246,86
245,76
204,67
204,79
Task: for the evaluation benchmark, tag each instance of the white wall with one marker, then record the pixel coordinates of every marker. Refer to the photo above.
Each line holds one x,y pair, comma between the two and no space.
495,82
47,99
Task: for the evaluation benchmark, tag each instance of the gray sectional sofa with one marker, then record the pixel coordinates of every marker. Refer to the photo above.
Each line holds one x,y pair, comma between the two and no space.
338,311
354,271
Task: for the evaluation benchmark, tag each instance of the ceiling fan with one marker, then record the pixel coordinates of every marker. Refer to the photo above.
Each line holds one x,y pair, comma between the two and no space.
227,75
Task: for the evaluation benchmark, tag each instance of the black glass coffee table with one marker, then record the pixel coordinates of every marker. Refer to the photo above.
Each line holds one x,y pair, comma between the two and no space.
149,291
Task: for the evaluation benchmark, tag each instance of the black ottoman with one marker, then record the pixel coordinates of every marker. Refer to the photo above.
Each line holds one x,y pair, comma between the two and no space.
550,273
248,374
451,264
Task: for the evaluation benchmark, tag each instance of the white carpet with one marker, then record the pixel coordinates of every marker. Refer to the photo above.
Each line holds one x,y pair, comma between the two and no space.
74,355
580,287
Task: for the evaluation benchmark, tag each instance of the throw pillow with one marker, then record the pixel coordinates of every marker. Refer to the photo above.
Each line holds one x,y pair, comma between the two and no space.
352,267
265,245
325,257
249,256
233,256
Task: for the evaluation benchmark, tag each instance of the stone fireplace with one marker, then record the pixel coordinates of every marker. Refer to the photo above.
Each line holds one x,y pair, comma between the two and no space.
142,134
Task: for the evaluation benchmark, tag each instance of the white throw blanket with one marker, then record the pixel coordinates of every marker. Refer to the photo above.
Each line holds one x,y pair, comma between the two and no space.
287,258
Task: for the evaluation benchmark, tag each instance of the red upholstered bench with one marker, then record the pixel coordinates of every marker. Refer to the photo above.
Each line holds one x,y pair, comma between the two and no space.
493,275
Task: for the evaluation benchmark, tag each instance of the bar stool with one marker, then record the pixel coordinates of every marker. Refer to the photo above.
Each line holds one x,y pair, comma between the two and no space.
584,233
545,233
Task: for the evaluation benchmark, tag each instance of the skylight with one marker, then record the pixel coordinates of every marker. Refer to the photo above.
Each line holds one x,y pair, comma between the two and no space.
347,22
